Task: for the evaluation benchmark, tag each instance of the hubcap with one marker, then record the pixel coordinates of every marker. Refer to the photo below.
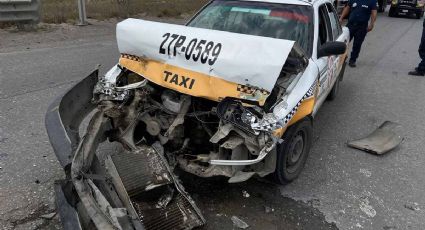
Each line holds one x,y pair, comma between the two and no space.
296,150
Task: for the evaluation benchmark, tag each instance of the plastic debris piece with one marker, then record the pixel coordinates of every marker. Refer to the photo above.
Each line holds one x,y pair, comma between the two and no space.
239,223
49,215
380,141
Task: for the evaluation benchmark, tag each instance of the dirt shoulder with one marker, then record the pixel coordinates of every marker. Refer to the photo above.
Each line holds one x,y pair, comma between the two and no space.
54,35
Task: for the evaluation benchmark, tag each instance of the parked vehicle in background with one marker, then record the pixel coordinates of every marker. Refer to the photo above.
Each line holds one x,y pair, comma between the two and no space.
382,4
407,7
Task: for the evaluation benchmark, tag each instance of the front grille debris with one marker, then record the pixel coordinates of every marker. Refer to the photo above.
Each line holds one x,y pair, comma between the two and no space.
157,197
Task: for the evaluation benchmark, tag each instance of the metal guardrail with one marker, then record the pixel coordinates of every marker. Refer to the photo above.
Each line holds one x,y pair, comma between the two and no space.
19,10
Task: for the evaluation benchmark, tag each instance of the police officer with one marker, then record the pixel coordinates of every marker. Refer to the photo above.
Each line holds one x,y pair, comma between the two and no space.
358,23
420,70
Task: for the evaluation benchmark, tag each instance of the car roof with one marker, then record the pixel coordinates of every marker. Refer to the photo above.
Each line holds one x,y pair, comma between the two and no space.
294,2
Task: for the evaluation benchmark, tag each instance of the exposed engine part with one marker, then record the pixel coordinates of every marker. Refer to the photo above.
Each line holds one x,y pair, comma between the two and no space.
232,111
161,129
153,125
263,153
108,85
203,170
184,108
171,100
142,169
109,92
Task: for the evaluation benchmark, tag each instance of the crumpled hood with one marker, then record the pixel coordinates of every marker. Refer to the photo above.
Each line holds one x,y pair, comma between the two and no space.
200,62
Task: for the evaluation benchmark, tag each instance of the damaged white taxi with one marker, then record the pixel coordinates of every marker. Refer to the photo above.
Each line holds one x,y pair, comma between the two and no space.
232,93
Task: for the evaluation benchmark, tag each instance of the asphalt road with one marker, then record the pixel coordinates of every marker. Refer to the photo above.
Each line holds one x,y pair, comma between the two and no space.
339,188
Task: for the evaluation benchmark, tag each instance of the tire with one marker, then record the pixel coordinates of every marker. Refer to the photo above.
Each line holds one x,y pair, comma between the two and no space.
341,74
335,89
293,152
392,12
418,15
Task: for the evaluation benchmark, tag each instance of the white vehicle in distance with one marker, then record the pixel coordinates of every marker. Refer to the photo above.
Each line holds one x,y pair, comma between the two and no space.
233,93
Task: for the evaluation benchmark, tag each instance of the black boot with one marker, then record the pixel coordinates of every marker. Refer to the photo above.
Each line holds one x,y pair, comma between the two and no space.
416,72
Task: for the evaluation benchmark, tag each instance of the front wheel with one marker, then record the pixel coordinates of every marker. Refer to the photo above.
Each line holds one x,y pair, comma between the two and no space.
293,152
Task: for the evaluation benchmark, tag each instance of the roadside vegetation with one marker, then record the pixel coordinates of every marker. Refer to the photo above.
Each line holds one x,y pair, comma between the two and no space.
66,11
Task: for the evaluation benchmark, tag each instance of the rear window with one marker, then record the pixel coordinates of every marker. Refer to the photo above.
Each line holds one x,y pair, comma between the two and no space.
282,21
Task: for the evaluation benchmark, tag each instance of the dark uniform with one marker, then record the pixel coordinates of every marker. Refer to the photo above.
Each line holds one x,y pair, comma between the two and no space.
421,66
420,70
360,11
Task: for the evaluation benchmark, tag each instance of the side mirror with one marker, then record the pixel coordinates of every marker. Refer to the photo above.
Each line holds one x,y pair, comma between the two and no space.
331,48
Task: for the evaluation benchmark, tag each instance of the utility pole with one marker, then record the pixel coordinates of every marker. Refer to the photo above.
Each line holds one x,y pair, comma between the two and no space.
82,13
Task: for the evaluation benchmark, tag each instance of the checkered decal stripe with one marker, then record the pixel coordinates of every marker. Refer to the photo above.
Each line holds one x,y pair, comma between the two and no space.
271,127
250,90
309,94
130,57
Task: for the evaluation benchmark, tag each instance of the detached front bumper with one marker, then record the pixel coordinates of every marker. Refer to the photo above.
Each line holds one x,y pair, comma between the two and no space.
65,115
63,119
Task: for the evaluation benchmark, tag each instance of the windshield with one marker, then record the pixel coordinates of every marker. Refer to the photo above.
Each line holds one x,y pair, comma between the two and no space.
282,21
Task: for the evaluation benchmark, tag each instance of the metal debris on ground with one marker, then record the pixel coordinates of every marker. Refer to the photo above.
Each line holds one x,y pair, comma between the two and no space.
239,223
49,216
366,206
245,194
413,207
380,141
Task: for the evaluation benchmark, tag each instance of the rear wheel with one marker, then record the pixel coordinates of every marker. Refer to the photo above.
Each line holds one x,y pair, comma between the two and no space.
341,74
335,89
334,92
293,152
419,15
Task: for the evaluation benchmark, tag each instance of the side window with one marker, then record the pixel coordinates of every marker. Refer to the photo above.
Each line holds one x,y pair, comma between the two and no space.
325,29
333,16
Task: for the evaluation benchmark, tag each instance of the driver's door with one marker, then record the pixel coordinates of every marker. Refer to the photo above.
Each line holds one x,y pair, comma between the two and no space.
338,35
325,64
